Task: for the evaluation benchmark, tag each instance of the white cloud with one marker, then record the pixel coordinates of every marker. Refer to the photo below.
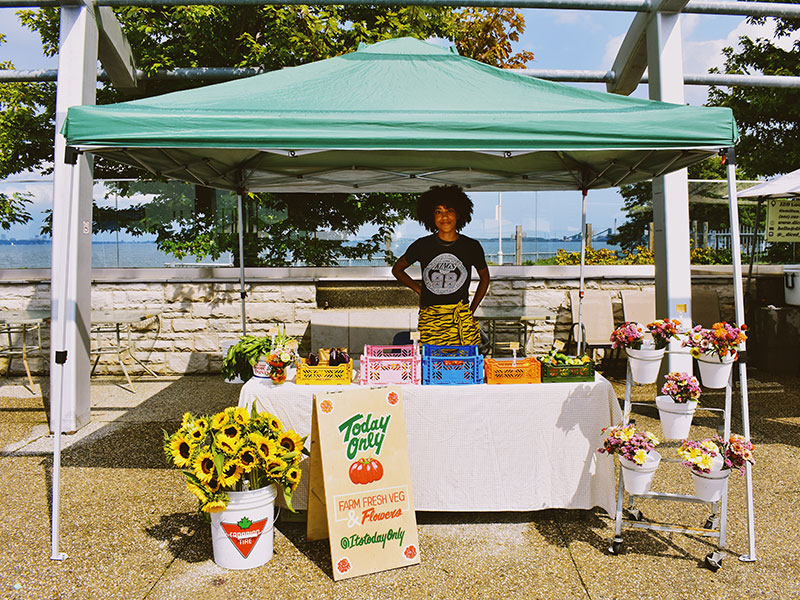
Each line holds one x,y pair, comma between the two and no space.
612,49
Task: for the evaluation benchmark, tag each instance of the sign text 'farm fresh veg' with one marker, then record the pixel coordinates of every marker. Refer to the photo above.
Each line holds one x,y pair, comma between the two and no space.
362,433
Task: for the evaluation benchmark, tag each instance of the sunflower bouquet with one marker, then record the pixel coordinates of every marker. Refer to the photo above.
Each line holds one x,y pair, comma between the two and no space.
234,450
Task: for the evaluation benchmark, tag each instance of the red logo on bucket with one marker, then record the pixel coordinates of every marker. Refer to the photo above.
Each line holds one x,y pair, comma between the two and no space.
244,534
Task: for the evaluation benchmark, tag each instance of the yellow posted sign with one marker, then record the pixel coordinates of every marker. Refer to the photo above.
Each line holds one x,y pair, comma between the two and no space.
783,221
360,482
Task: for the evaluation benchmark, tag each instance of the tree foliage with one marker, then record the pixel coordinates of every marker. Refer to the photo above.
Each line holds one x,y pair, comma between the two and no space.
768,118
638,206
268,37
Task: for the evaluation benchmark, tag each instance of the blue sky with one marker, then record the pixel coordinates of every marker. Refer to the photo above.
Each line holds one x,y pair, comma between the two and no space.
559,39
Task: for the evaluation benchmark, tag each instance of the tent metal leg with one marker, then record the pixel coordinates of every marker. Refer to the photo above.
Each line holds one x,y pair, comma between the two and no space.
241,260
581,340
738,297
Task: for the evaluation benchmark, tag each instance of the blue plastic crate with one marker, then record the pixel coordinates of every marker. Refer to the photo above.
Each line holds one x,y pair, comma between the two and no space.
451,365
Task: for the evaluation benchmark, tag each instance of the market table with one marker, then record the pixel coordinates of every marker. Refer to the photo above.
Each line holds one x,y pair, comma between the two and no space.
120,324
485,447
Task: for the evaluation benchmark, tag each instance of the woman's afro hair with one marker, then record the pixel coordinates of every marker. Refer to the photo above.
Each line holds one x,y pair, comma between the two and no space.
450,196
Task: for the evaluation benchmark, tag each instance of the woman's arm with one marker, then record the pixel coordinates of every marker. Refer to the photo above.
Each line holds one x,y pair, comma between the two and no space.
483,286
399,272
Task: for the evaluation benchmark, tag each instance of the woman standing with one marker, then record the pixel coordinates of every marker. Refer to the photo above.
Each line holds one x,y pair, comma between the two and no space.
447,257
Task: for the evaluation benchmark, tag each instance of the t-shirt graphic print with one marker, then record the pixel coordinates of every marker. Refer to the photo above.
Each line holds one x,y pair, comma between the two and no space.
445,274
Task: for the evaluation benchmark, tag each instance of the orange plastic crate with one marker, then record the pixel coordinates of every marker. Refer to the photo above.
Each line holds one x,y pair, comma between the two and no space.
527,370
324,374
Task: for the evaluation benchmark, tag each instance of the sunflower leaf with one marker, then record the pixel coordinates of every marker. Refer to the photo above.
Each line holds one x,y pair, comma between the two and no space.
219,461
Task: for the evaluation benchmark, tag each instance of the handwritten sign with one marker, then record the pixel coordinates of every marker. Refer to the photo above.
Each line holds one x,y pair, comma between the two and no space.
783,221
360,481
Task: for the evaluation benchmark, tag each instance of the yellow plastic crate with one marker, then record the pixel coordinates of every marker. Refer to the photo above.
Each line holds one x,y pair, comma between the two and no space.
324,374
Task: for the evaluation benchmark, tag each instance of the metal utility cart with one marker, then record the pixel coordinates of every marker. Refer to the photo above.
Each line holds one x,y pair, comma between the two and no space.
632,518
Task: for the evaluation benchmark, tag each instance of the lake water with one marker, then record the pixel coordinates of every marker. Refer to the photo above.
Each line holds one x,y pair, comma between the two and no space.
146,254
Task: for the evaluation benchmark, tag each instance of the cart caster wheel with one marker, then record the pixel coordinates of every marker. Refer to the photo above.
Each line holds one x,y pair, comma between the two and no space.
714,561
712,522
615,547
634,514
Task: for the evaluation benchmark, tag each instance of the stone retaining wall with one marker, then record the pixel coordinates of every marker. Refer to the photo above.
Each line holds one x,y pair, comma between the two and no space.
200,309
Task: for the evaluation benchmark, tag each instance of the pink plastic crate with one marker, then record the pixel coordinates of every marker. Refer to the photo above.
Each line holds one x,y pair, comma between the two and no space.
390,364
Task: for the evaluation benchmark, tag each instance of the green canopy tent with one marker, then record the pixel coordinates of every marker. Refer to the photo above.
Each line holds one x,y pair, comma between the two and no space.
400,116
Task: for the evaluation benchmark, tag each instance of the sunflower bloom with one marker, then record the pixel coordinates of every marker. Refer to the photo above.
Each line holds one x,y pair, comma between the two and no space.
275,424
197,491
204,466
180,450
219,421
240,415
231,473
197,434
187,418
247,458
232,430
276,466
293,477
228,445
217,504
290,441
265,446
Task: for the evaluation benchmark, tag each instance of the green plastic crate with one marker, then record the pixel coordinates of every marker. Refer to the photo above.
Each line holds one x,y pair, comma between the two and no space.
567,373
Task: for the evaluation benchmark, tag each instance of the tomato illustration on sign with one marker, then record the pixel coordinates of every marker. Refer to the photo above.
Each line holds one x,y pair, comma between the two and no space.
410,552
366,470
343,565
392,398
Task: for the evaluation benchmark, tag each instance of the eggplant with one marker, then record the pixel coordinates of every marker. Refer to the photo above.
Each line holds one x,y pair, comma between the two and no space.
312,360
345,358
335,359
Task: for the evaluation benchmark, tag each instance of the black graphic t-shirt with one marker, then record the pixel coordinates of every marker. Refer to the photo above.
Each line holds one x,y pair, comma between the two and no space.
446,267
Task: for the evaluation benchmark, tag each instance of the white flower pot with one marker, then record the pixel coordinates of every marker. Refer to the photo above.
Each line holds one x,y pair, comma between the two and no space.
709,486
645,364
676,417
291,372
240,547
261,368
715,371
637,478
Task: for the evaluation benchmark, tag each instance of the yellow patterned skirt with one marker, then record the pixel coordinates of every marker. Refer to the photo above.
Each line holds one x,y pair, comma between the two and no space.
448,325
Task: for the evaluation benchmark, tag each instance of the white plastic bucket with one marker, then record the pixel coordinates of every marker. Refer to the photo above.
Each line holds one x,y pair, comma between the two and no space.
676,417
645,364
714,373
709,486
638,478
791,284
242,535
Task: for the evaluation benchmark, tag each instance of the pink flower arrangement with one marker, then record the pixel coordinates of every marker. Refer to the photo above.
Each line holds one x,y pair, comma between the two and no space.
699,456
663,330
627,335
628,443
681,387
722,339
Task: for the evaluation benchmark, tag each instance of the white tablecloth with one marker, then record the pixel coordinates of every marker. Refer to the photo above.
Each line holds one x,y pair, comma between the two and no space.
486,447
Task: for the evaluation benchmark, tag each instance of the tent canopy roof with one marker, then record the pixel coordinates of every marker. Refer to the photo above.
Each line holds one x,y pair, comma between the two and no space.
400,115
785,186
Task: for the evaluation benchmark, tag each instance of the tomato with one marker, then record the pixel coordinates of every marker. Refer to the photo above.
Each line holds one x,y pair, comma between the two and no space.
366,470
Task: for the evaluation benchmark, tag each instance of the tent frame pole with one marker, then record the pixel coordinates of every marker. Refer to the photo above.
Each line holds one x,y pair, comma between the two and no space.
738,297
242,292
581,291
